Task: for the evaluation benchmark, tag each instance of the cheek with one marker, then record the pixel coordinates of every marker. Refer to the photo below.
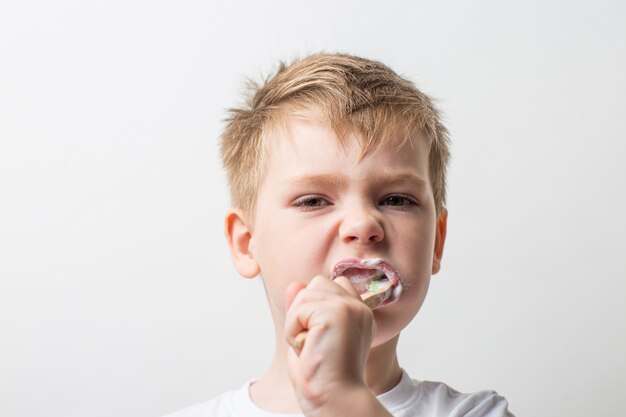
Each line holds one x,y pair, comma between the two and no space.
417,242
285,254
305,244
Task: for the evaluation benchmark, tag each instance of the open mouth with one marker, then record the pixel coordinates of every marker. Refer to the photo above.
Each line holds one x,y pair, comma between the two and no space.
368,275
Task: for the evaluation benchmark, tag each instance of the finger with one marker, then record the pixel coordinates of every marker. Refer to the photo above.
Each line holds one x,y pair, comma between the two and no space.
305,301
303,306
339,285
292,290
315,311
311,295
304,316
345,283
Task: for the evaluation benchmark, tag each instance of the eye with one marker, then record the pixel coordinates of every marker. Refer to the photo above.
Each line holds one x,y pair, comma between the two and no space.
310,202
396,200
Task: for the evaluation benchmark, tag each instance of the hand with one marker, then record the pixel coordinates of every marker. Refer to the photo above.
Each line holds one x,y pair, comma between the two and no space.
330,367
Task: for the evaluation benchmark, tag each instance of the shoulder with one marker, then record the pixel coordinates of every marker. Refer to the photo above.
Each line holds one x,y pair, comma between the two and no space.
437,398
220,406
486,403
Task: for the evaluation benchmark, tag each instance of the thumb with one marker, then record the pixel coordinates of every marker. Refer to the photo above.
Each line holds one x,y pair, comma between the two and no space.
292,290
345,283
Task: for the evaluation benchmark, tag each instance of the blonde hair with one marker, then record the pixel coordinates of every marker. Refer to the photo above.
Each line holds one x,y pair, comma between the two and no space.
345,91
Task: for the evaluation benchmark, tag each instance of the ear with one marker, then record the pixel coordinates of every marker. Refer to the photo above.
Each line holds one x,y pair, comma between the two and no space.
239,237
440,240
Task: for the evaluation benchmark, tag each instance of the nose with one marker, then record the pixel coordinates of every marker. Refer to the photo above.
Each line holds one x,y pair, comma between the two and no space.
361,224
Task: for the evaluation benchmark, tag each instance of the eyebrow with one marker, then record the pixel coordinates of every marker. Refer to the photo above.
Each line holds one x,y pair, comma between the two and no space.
400,178
317,180
392,178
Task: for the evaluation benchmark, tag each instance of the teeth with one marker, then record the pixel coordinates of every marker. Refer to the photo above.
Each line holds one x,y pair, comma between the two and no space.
364,272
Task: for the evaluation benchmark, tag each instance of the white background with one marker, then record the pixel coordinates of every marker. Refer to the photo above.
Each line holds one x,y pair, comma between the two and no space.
117,295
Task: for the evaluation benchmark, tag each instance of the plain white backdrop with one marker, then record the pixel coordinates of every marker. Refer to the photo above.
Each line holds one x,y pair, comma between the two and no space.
117,294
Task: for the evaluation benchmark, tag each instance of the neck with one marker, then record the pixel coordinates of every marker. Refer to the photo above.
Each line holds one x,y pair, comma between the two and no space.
276,384
382,370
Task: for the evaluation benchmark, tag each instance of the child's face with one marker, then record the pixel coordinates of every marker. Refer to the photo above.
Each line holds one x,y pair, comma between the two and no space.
318,204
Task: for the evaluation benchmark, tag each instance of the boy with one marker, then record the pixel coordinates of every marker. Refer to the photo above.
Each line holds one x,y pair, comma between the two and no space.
337,175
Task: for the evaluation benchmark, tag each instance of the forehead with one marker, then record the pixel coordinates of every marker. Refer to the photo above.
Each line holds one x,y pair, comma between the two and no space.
296,134
304,146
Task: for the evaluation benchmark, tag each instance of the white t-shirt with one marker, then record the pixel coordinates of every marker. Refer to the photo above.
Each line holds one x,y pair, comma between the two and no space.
410,398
